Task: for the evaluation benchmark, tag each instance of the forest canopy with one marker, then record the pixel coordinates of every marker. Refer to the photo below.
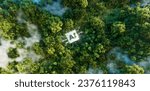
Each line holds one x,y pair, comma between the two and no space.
114,36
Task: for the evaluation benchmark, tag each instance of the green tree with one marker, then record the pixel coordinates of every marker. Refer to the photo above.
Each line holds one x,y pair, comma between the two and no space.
116,3
76,15
28,66
75,3
55,25
37,49
68,24
13,53
5,29
105,24
134,69
118,28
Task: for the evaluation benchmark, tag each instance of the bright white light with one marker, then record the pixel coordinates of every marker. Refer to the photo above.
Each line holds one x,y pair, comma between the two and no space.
72,36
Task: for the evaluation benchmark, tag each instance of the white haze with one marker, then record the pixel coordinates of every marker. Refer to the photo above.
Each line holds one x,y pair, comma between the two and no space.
23,52
55,8
121,56
27,54
4,59
118,55
112,65
145,2
20,17
94,71
26,51
145,64
35,37
36,1
112,68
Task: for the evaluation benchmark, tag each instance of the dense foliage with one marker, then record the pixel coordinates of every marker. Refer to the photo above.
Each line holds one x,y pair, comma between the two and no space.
105,24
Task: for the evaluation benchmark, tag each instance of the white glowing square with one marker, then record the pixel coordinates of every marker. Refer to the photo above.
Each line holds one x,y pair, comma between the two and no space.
72,36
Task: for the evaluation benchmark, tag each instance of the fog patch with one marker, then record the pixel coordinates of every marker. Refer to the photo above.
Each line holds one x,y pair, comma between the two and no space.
117,52
56,8
145,2
115,56
24,52
27,54
112,68
27,51
5,45
145,64
36,1
20,17
32,29
94,71
35,36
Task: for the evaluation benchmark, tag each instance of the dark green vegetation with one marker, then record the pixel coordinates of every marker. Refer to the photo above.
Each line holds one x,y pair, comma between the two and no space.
13,53
105,24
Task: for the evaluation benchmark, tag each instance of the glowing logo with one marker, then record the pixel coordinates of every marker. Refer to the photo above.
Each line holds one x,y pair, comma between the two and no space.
72,36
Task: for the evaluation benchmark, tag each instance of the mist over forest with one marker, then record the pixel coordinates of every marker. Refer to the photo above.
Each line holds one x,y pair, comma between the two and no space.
113,36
